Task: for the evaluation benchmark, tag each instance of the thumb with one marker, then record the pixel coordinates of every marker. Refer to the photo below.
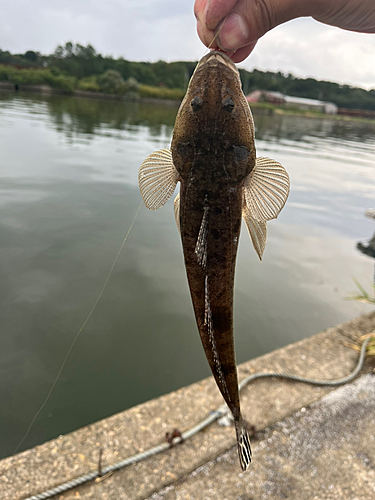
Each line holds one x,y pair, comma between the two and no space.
239,24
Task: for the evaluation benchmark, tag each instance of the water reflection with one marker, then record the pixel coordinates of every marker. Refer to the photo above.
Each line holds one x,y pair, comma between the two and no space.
74,116
297,128
68,194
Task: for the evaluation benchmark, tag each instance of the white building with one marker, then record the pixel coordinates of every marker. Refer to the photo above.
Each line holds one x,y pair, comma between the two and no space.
294,102
304,103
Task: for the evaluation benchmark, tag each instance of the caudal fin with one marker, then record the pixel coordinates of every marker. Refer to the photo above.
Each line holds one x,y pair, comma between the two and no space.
243,444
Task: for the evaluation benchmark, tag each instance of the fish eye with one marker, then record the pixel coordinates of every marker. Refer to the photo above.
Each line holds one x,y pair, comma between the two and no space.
196,103
228,104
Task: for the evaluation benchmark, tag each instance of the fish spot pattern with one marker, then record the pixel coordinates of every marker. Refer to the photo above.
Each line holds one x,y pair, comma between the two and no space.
208,323
201,245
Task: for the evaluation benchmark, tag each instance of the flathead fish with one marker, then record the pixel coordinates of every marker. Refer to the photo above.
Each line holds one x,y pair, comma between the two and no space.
213,157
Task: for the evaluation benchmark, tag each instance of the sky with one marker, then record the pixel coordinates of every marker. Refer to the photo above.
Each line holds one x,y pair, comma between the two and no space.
149,30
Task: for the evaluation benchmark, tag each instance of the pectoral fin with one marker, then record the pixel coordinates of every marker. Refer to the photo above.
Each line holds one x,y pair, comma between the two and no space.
265,192
266,189
176,208
257,230
157,179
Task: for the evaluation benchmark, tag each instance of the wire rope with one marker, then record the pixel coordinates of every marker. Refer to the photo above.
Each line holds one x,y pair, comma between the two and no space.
215,415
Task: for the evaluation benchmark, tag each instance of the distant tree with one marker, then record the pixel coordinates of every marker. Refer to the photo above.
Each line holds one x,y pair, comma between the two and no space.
30,55
87,52
84,62
111,82
131,85
59,52
69,49
5,57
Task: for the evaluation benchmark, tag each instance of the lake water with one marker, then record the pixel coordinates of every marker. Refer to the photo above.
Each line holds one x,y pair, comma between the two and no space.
68,195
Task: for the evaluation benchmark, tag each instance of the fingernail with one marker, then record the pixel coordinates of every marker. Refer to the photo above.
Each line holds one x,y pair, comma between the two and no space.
234,33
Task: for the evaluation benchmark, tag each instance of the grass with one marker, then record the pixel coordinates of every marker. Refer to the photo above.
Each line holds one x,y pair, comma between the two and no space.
370,349
58,80
363,296
37,77
161,92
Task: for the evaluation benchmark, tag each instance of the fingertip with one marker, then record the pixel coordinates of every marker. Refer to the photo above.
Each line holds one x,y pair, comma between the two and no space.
199,8
233,32
242,53
216,10
200,32
204,35
207,36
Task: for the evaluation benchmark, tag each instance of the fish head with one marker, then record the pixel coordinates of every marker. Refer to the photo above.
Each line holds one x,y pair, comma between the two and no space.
214,122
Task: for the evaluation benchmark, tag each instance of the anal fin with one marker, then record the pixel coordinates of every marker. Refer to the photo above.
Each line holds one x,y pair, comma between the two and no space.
176,209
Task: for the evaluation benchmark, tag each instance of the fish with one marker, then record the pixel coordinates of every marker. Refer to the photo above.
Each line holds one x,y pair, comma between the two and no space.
213,157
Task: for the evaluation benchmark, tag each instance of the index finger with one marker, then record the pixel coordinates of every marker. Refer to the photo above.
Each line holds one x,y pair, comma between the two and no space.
206,35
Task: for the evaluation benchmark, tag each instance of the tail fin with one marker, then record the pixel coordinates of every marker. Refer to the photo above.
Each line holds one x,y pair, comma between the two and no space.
243,444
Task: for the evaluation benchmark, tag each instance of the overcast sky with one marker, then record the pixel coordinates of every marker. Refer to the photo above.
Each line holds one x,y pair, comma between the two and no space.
148,30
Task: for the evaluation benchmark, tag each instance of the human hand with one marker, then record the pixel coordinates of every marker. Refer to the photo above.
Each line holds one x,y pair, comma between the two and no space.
241,23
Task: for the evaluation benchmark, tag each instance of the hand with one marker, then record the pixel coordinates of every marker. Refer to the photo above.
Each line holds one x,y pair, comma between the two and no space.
241,23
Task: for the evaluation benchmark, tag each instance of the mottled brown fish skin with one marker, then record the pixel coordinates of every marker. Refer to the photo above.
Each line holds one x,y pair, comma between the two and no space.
213,151
213,157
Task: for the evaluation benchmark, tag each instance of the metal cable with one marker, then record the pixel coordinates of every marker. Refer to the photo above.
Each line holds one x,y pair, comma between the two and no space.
215,415
331,383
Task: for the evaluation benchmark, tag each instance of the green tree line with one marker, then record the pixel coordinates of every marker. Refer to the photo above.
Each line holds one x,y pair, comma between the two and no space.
74,66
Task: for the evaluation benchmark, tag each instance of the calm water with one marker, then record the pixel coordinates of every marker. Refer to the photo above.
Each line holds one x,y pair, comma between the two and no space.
68,194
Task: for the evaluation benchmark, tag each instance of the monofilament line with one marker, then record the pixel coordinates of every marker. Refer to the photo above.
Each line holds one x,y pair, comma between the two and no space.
78,333
217,33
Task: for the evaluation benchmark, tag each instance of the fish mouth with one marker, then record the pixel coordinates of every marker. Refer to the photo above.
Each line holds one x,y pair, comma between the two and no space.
220,57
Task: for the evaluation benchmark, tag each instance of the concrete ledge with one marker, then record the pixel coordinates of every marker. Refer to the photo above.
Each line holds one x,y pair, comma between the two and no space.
322,452
264,403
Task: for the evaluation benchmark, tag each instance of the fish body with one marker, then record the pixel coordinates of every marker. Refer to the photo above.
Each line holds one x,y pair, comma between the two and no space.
213,157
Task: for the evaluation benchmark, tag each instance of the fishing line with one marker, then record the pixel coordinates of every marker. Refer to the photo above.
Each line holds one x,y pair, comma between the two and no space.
218,31
95,303
78,333
213,416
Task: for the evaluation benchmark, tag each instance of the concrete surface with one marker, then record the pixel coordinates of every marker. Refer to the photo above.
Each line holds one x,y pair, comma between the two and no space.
264,404
323,452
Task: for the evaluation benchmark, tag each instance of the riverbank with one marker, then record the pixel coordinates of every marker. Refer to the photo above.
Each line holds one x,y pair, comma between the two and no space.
260,107
48,90
288,111
298,445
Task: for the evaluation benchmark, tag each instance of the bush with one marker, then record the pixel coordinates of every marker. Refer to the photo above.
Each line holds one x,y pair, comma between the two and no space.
3,73
131,85
61,82
161,92
111,82
22,76
54,70
89,84
37,77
